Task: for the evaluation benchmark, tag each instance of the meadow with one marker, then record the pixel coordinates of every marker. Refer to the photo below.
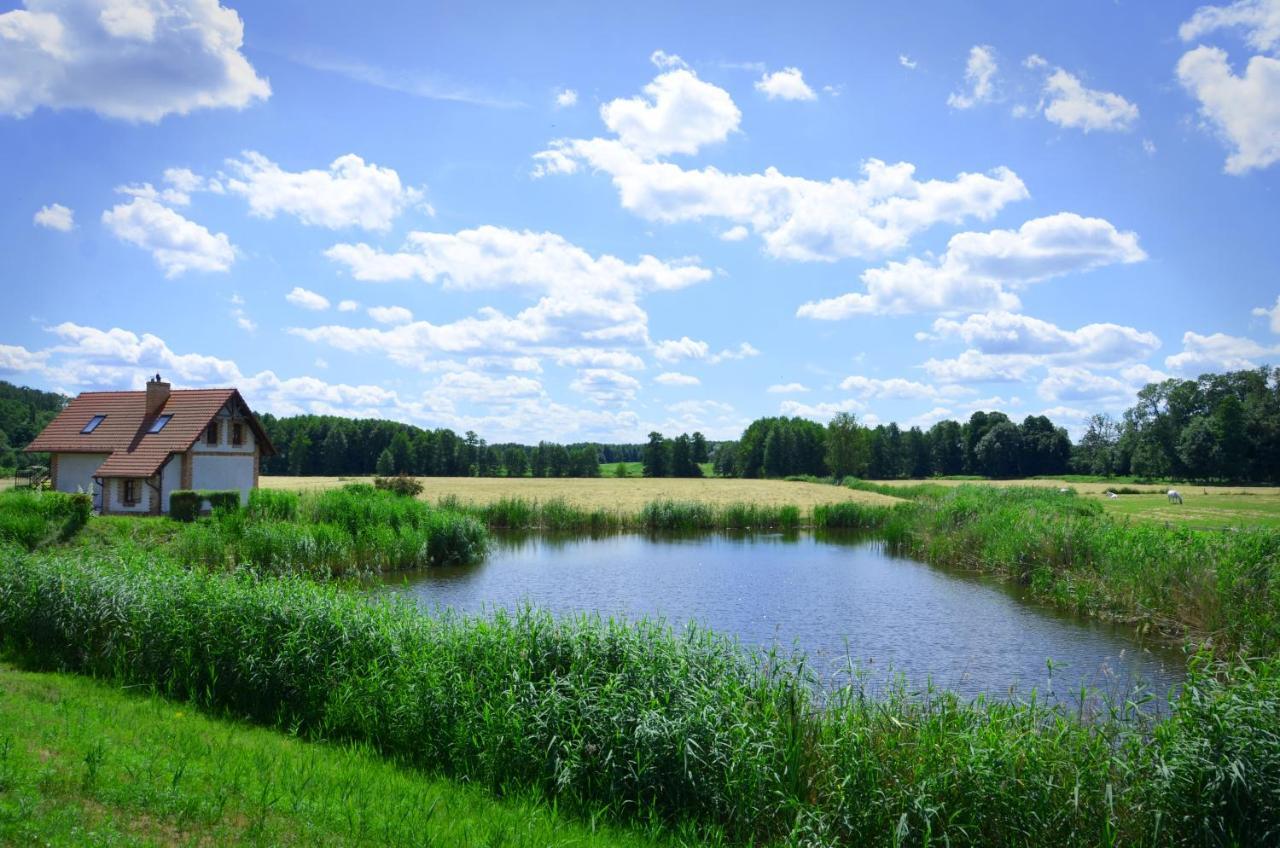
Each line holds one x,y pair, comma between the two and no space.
683,734
1203,507
83,762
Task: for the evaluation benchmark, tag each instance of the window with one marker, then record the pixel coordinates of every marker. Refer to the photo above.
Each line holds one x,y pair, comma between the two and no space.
130,492
211,435
158,424
237,433
93,423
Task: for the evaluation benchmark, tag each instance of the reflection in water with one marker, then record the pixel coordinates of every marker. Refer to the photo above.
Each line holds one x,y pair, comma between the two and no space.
841,599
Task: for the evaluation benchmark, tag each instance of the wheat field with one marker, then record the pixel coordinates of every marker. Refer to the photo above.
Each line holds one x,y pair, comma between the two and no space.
627,494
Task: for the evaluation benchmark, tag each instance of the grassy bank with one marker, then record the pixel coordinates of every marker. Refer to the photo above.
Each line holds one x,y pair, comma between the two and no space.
633,722
82,762
1220,586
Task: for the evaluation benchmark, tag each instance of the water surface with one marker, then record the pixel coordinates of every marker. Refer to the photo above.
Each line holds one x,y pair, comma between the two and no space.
842,599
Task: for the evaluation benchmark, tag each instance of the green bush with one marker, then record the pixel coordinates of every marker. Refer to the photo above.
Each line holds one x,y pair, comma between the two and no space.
401,484
184,505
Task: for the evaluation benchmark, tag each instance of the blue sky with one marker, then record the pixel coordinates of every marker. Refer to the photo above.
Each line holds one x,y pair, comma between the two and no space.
568,222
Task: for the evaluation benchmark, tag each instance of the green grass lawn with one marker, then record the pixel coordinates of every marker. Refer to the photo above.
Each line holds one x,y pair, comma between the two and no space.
1202,511
82,763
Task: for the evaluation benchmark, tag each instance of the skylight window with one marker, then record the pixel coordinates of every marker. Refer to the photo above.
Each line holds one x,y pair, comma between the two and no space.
158,424
93,423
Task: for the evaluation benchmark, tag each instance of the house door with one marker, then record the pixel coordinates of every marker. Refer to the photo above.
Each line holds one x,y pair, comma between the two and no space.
97,495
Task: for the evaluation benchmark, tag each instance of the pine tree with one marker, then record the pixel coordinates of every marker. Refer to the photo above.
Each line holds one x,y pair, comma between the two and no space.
655,457
300,455
386,464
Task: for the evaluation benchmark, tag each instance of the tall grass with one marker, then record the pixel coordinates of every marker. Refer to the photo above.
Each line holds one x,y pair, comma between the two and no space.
634,722
850,515
356,529
1223,586
557,514
904,490
33,518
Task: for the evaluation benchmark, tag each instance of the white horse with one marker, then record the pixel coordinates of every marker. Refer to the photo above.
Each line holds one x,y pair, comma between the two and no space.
1175,496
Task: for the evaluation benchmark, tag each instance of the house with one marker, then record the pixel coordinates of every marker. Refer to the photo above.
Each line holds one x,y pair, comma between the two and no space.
132,450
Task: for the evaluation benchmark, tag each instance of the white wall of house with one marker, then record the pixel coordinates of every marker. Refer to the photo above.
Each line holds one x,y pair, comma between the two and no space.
223,471
75,471
114,488
170,479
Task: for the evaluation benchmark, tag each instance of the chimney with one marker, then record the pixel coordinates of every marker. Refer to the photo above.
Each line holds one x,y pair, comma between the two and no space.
157,394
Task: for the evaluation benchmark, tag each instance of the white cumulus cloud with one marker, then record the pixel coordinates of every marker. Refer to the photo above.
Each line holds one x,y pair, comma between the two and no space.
307,299
796,218
566,98
786,84
978,270
134,60
351,193
177,244
55,216
1218,352
1003,333
1244,110
675,378
390,314
1259,18
1273,313
606,386
679,113
979,76
1067,102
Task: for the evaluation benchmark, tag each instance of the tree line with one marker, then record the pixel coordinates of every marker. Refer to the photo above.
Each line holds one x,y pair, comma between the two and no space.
335,446
989,444
679,457
1218,427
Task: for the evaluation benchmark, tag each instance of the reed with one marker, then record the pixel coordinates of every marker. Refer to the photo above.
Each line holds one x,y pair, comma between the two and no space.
357,529
904,490
632,721
1219,586
35,518
850,515
557,514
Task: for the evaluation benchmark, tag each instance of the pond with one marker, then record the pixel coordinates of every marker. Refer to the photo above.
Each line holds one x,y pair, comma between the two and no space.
843,600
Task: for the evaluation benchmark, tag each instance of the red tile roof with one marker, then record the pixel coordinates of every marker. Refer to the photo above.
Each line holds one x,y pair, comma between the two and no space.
123,432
